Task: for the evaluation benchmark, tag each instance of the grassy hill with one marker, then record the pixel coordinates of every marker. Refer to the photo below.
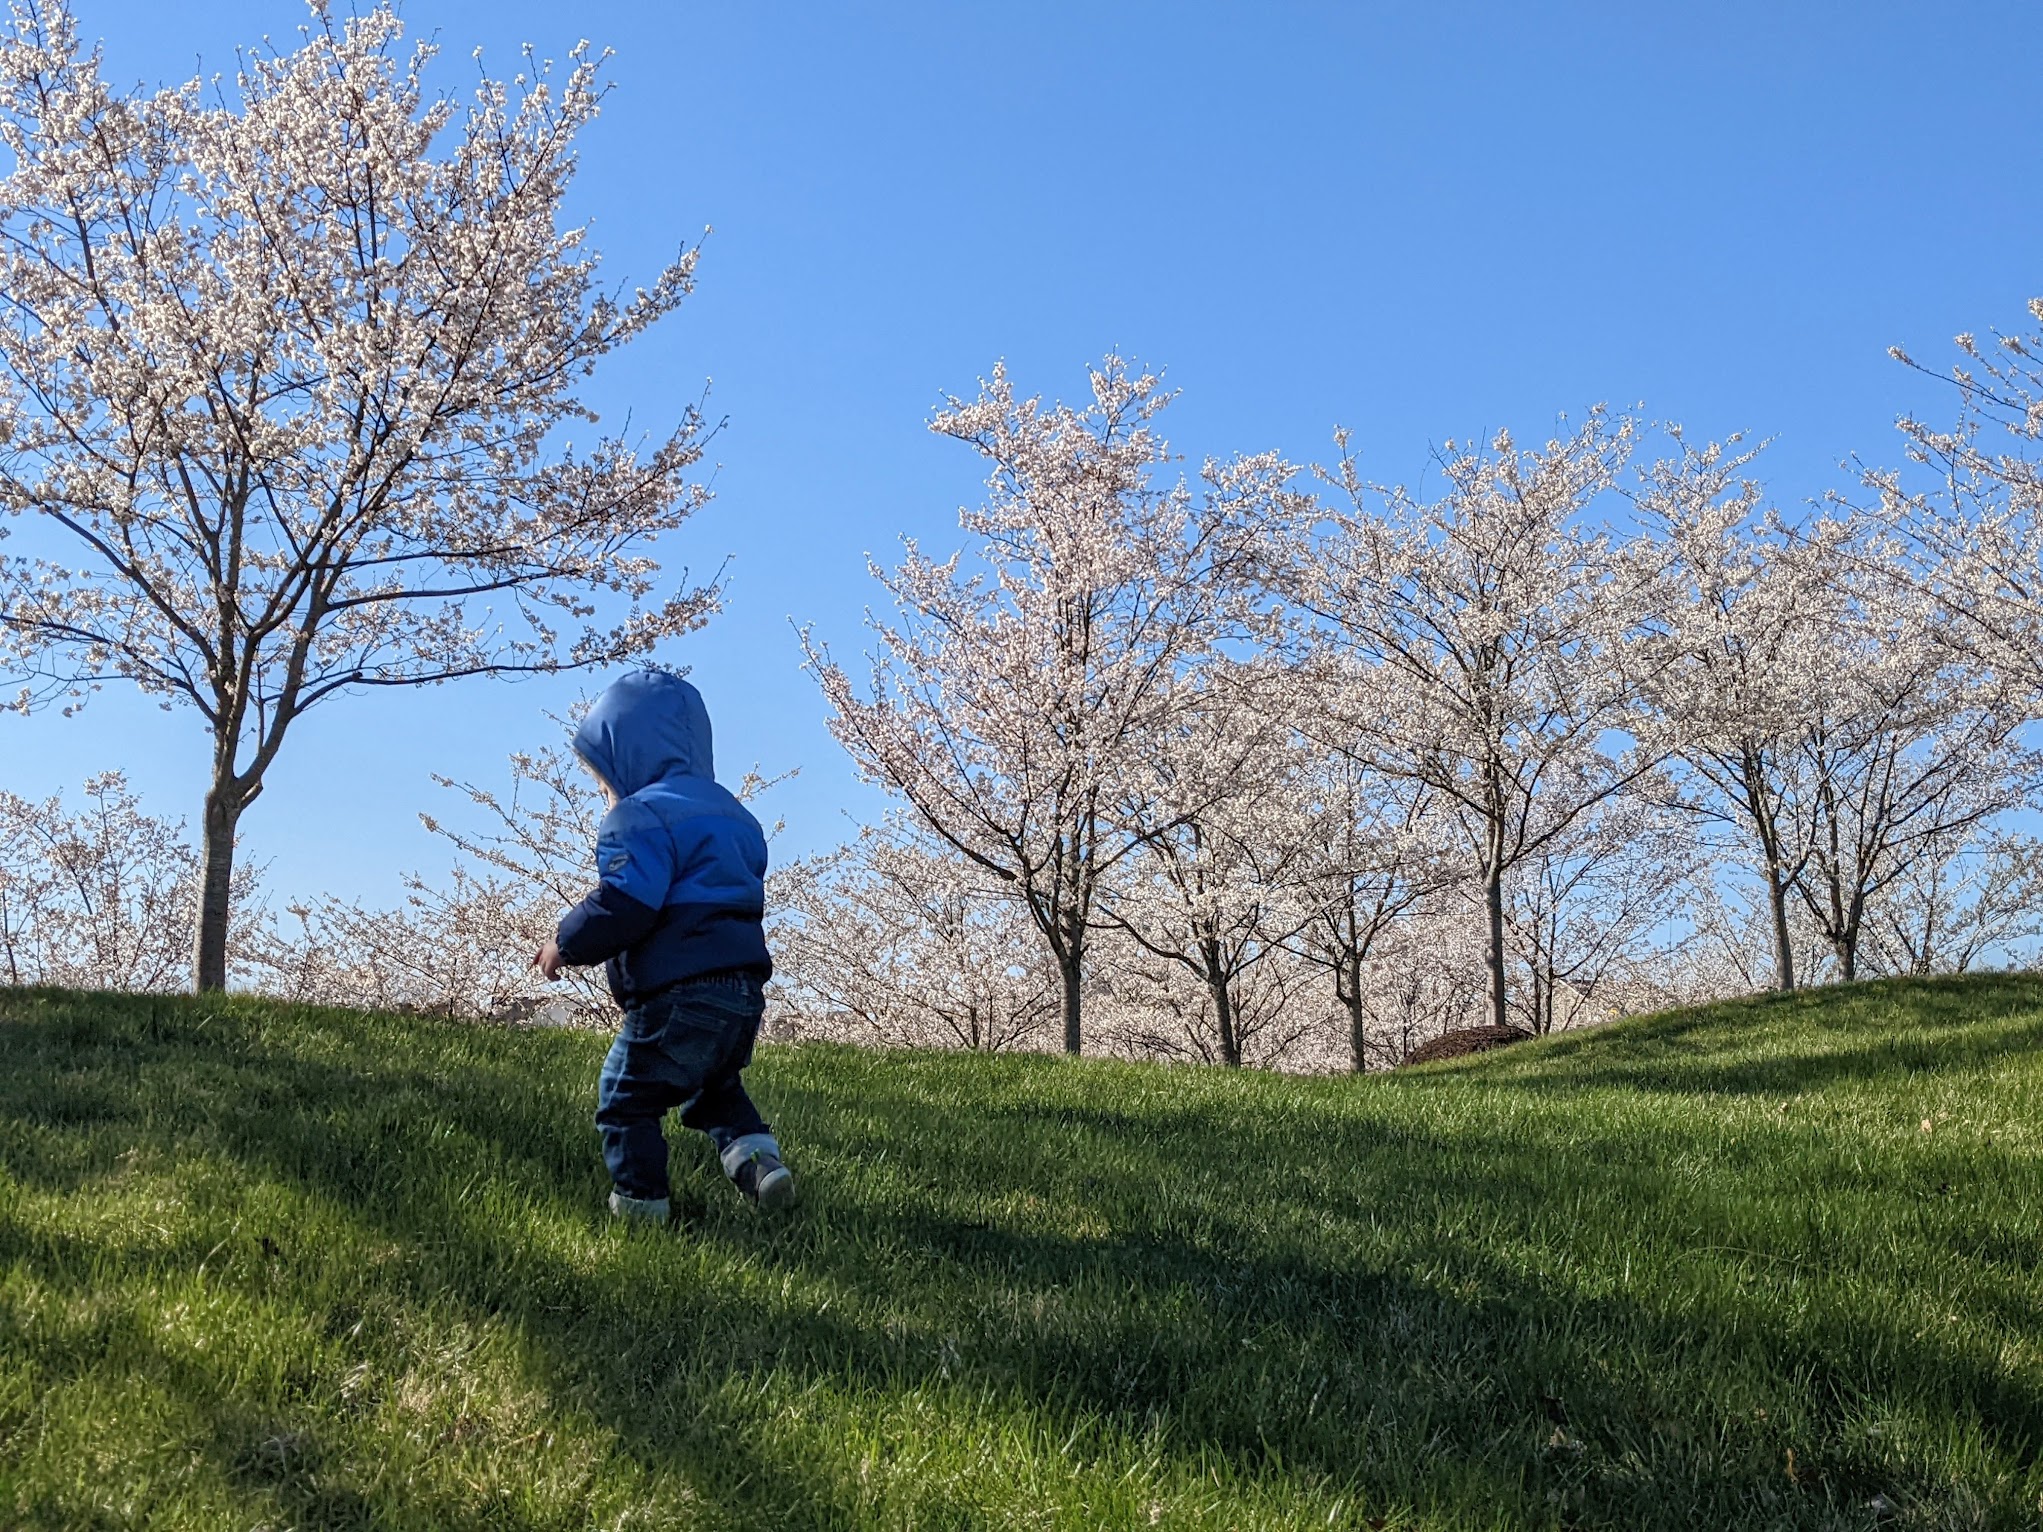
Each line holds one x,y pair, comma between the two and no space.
1772,1264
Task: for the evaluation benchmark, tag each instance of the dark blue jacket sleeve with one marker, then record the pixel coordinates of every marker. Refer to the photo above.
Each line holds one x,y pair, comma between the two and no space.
603,925
634,868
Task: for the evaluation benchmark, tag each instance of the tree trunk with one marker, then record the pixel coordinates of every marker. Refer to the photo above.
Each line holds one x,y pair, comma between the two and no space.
1854,927
1358,1020
1215,976
1759,807
1783,944
1071,969
1223,1012
1493,897
1847,945
224,803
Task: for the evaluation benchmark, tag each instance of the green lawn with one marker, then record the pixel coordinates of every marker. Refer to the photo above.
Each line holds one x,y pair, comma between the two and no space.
274,1267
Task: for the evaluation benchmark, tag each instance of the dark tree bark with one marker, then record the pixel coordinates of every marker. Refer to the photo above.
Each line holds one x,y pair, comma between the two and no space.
1072,974
216,886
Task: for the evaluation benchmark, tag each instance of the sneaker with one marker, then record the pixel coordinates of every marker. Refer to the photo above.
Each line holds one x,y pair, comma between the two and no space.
753,1164
766,1181
652,1211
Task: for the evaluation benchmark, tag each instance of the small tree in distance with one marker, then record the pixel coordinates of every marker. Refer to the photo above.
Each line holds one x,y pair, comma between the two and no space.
1012,703
1221,885
279,382
1487,643
1914,751
892,938
463,945
1368,859
1748,608
100,898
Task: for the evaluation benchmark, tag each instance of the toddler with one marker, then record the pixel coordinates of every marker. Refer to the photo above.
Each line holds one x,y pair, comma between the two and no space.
676,915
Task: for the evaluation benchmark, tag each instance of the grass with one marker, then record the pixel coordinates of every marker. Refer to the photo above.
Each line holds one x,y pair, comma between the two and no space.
1772,1264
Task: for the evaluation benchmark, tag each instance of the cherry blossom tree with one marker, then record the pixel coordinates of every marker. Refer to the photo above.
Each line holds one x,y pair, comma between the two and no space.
1748,617
1825,714
892,939
1156,1006
1499,634
1583,908
1724,944
449,949
462,944
1912,748
1370,853
100,898
1978,527
1219,887
282,381
1956,903
1009,697
1427,974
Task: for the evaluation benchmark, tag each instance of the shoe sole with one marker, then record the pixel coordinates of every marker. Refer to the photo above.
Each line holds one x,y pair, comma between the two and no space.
777,1188
644,1215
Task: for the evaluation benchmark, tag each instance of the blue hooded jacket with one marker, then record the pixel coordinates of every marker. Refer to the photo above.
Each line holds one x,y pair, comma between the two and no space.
681,864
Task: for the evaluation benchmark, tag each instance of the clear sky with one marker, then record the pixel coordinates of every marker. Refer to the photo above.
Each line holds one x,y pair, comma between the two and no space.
1418,221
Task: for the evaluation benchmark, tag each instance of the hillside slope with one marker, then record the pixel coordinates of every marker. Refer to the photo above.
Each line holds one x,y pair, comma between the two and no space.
1772,1264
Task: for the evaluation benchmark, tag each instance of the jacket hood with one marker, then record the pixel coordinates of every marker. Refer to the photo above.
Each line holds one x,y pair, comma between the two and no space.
646,726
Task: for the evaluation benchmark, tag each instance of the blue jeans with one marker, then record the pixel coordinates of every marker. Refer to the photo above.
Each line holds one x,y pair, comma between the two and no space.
683,1048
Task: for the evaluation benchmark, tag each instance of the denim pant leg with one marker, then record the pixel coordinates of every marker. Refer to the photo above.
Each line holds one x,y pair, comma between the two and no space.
682,1048
636,1089
723,1110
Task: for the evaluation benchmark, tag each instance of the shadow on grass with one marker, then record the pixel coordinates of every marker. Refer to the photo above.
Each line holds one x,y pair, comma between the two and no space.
1469,1387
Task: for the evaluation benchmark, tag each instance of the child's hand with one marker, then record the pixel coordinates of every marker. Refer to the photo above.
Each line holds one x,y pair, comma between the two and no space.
547,960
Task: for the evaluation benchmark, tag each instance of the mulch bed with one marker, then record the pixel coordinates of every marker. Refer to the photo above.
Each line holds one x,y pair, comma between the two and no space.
1456,1045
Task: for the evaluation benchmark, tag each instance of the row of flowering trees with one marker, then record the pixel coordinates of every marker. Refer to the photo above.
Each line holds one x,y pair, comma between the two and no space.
1248,768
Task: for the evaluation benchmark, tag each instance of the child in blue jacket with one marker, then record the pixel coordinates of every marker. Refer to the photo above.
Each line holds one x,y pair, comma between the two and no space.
676,915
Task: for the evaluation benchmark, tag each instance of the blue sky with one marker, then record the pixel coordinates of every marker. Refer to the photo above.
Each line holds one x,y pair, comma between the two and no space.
1417,221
